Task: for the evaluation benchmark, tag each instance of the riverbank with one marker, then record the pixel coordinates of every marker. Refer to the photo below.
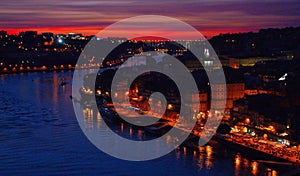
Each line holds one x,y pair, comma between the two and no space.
260,148
34,70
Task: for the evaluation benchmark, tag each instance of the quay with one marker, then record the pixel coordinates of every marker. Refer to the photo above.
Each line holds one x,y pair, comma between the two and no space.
262,148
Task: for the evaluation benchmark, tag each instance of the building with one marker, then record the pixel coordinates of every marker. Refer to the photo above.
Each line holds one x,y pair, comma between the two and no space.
29,39
230,62
235,91
225,94
264,118
3,34
202,96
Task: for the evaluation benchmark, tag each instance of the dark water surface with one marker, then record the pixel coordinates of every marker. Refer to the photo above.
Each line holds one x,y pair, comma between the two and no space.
39,135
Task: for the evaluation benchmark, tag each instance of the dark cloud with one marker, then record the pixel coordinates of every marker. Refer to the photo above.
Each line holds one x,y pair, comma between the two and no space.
204,15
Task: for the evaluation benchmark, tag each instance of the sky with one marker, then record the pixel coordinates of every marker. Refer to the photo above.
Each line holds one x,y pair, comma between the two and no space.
90,16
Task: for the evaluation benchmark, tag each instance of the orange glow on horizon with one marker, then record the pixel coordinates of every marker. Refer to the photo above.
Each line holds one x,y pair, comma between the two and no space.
93,30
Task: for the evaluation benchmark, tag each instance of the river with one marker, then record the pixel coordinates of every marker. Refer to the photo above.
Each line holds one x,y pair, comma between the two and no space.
39,135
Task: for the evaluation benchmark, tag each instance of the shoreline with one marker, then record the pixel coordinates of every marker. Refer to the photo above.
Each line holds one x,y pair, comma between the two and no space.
245,148
34,71
257,150
47,70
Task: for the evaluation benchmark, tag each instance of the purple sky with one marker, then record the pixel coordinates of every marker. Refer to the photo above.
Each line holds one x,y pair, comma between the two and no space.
88,17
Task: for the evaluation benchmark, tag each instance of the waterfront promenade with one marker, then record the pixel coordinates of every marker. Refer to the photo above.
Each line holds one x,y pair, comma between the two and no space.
271,148
268,147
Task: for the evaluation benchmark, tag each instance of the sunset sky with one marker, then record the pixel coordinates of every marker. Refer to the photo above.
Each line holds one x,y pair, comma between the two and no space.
89,17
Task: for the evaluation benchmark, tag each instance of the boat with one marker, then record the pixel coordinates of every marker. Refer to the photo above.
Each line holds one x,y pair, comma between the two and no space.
62,82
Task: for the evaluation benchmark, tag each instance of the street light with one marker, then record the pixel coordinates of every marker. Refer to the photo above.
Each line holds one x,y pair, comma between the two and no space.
170,107
247,121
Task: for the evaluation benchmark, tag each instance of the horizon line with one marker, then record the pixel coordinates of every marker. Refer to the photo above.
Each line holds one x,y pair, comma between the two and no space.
64,32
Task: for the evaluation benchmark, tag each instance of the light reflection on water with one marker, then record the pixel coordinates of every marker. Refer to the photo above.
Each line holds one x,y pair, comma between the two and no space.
204,155
39,135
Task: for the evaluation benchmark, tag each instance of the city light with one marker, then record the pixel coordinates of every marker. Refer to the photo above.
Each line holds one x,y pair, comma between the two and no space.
60,40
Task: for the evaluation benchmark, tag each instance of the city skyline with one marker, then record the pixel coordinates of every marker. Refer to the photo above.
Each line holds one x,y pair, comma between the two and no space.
128,87
89,17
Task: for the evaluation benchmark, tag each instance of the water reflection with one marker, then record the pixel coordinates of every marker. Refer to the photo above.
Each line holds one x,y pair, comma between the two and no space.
122,127
140,134
254,166
200,161
271,172
184,151
130,131
246,162
237,163
92,117
98,119
203,159
39,128
177,154
204,155
55,84
243,164
208,162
